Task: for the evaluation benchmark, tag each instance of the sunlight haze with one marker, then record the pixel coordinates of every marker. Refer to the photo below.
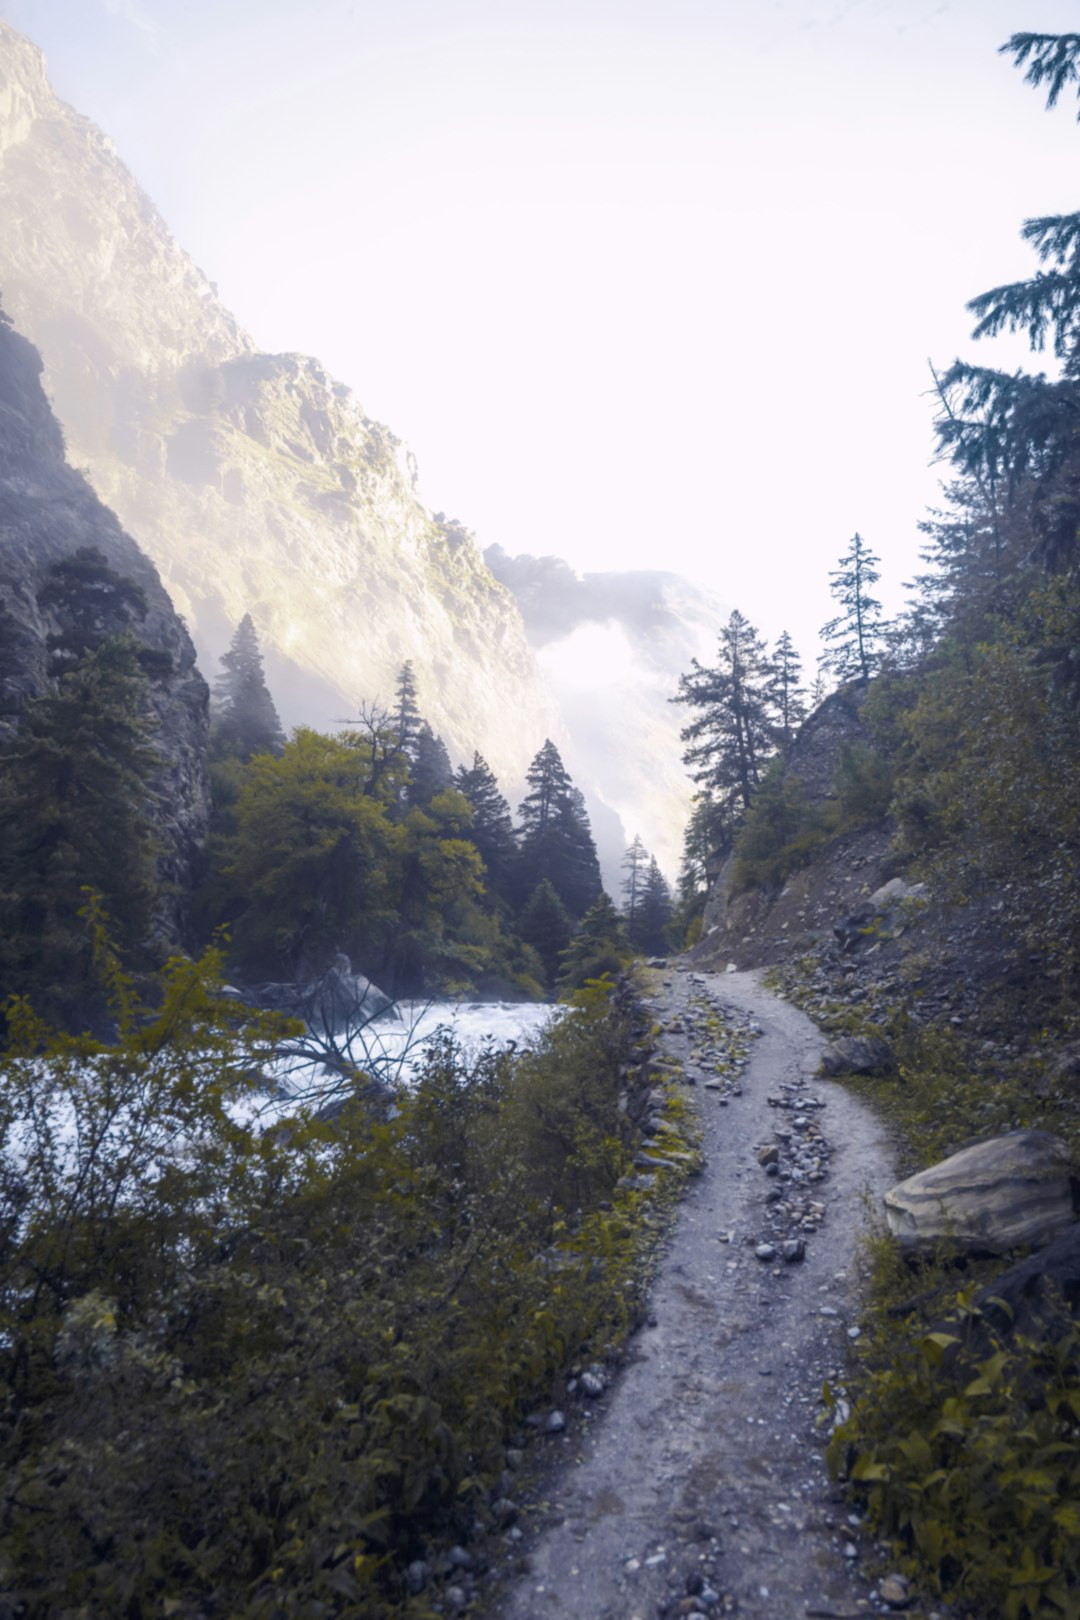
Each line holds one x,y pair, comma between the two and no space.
644,286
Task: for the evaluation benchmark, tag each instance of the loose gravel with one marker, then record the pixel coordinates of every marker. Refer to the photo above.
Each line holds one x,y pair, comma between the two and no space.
698,1486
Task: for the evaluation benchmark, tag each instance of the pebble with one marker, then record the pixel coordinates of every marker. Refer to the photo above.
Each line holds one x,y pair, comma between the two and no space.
555,1422
765,1251
894,1591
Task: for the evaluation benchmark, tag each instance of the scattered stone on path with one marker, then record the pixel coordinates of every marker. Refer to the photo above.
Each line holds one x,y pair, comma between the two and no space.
895,1591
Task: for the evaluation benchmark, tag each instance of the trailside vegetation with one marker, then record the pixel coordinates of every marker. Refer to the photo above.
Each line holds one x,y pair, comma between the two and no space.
259,1372
959,1431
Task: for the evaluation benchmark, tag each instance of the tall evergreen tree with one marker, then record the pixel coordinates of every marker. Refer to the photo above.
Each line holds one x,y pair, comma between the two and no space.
406,717
785,690
246,721
635,864
431,772
75,796
556,839
493,828
547,926
654,912
1005,428
855,634
732,737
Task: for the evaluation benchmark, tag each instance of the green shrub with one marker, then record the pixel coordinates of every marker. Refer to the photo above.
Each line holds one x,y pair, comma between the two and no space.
257,1373
966,1450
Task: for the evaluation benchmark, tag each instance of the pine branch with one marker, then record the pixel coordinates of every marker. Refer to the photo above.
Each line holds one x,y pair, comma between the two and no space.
1054,236
1051,299
1051,59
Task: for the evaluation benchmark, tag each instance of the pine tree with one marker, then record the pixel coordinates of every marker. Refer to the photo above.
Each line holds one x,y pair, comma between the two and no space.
785,691
654,913
431,772
493,828
855,634
246,721
733,737
75,795
598,947
406,718
547,926
1003,428
634,864
556,840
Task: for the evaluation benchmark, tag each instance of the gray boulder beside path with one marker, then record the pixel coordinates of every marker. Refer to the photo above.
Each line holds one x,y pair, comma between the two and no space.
989,1198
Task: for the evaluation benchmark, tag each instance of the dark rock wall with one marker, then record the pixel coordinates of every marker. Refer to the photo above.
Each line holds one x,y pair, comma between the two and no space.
47,511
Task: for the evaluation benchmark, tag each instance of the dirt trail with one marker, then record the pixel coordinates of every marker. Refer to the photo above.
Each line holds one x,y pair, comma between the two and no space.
702,1487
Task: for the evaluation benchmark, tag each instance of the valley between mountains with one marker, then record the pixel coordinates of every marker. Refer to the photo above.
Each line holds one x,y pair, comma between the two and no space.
696,1483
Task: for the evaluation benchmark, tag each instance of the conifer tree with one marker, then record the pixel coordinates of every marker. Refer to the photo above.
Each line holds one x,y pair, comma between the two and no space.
1003,428
547,926
246,721
431,772
556,839
74,796
634,864
406,717
732,737
855,634
493,828
599,946
654,912
785,691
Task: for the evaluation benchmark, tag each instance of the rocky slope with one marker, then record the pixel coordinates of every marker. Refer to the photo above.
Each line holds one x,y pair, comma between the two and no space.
47,511
255,482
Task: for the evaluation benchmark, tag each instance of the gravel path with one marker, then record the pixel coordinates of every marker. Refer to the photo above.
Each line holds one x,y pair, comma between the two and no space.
702,1488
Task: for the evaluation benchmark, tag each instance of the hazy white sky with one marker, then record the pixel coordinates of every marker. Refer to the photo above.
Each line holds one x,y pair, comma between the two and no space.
646,283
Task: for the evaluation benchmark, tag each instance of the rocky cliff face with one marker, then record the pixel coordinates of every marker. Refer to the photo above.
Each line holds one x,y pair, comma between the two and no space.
48,511
254,481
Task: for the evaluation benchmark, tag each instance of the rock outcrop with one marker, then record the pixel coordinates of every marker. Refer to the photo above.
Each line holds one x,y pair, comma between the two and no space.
255,482
988,1198
47,512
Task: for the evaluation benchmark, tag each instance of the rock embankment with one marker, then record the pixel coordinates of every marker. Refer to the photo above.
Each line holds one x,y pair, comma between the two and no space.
697,1484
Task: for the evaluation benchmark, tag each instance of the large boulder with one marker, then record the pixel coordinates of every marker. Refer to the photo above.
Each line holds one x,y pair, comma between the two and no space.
988,1198
338,1001
858,1054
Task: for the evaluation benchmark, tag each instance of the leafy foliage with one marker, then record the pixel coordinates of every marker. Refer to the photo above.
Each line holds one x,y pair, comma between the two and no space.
969,1461
599,947
256,1372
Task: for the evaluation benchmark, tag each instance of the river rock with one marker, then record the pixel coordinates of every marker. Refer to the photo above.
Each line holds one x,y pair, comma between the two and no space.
339,1000
858,1054
988,1198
